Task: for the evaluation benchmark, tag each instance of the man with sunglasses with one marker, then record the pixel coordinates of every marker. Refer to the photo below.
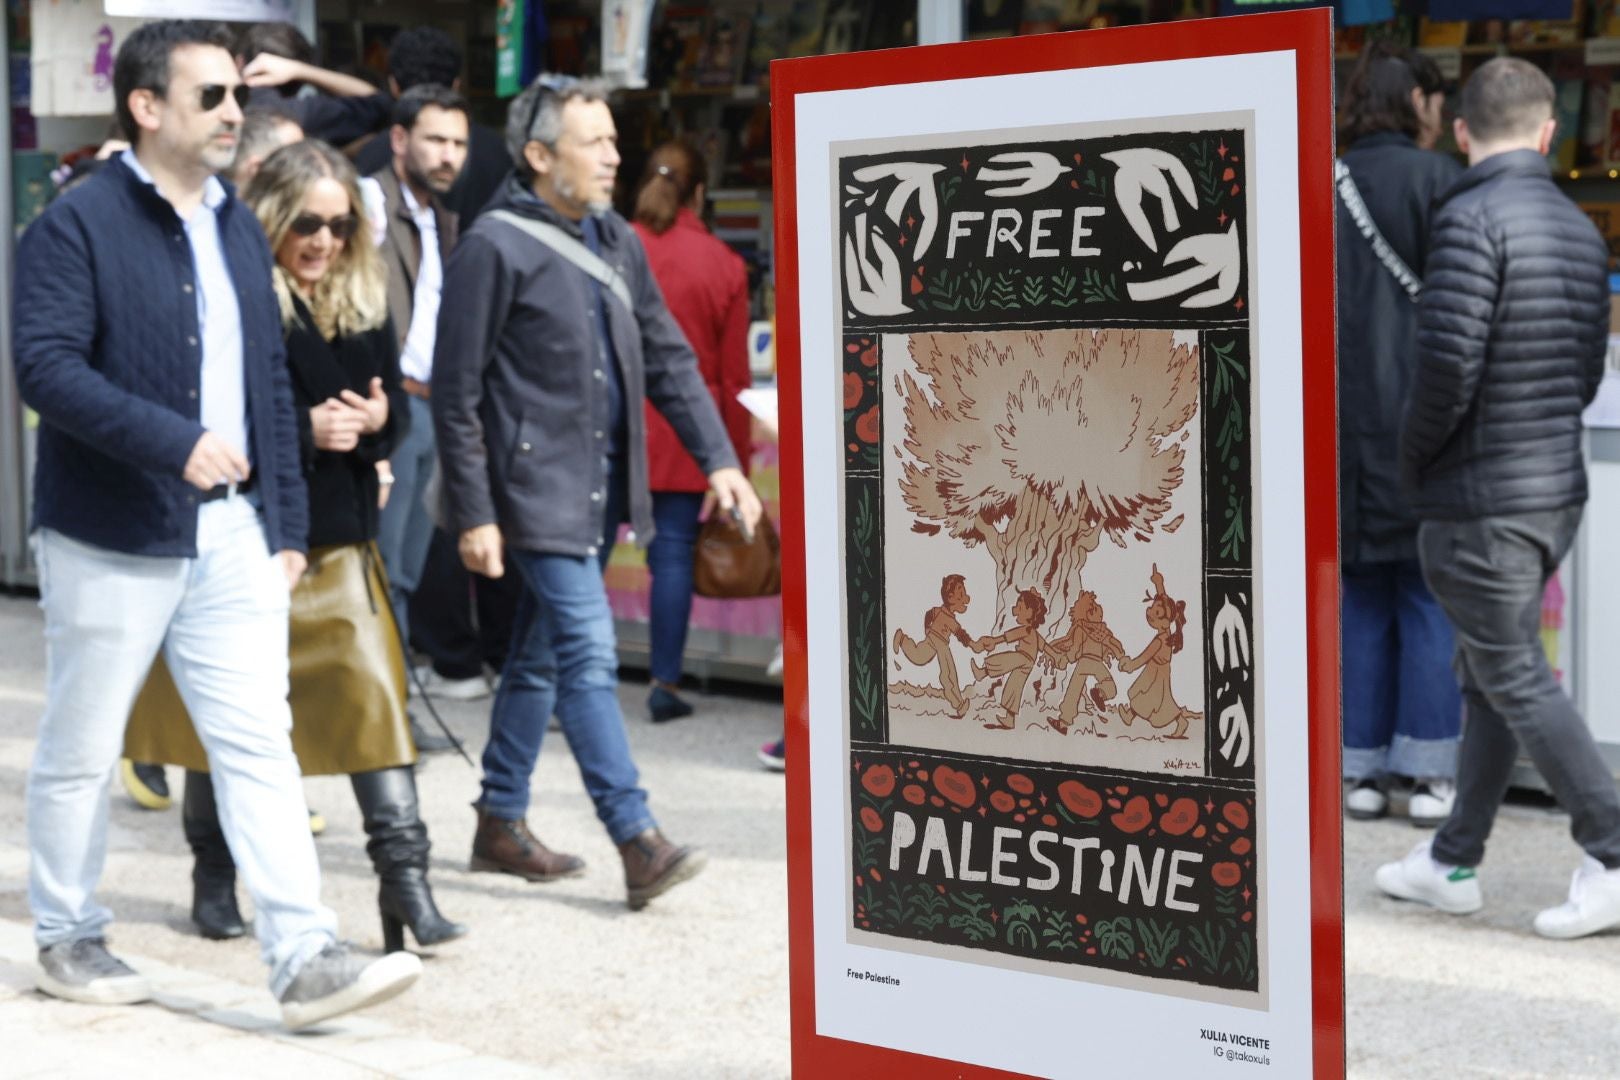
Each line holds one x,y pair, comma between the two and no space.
553,330
169,513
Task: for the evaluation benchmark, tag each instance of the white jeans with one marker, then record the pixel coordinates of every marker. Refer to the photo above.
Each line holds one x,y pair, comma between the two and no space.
221,621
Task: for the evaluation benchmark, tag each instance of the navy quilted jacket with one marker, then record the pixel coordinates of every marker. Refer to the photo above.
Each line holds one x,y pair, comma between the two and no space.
105,347
1511,335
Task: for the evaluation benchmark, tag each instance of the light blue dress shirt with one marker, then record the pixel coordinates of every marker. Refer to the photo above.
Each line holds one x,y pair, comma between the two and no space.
223,387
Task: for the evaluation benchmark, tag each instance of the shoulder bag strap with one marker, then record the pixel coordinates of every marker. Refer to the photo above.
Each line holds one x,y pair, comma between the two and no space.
1350,195
572,250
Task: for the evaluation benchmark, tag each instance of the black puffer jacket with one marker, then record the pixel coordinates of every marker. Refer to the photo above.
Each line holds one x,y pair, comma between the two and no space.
1399,184
1511,335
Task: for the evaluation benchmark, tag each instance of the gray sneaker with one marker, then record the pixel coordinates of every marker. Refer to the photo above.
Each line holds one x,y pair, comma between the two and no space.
85,971
334,981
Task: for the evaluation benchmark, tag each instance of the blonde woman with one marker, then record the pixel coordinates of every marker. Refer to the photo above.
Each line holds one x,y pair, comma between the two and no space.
347,671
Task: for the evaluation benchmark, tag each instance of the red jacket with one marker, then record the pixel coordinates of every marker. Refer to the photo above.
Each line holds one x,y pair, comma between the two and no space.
706,287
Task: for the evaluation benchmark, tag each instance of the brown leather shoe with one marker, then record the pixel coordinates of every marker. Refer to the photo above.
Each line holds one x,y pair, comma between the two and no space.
653,865
508,847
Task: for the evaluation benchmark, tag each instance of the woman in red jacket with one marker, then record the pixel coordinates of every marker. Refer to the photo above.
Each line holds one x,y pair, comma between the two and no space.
706,286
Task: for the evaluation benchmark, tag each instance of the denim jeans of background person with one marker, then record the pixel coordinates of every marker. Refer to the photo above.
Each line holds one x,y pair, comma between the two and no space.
169,514
1402,707
1512,332
553,334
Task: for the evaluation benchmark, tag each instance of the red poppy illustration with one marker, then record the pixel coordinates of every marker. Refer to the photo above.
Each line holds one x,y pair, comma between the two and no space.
1182,815
1021,783
913,794
1080,799
866,427
1241,846
1226,873
955,785
1001,801
869,356
870,818
879,780
853,389
1236,813
1135,817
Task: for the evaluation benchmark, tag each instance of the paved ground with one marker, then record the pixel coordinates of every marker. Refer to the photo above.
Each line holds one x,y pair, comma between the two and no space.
562,981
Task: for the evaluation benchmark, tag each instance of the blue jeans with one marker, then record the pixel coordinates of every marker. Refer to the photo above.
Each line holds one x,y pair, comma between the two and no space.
404,528
220,621
564,660
1402,706
669,560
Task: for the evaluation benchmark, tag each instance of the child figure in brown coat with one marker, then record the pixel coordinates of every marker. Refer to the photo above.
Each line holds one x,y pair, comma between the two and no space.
1029,611
1090,647
939,627
1150,696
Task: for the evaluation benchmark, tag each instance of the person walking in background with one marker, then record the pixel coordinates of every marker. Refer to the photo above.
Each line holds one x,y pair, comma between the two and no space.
170,515
1402,706
347,672
706,288
277,61
416,234
265,129
1512,332
426,55
553,333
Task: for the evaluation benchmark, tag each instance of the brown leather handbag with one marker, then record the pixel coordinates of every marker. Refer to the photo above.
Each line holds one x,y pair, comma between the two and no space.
729,567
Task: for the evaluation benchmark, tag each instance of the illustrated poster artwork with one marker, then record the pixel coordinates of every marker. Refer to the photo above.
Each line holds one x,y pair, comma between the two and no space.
1049,569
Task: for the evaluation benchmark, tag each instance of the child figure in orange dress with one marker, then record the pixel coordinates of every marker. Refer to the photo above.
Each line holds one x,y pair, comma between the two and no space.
1029,611
1150,697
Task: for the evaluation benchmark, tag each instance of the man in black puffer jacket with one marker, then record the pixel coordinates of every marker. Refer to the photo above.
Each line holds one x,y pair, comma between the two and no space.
1511,335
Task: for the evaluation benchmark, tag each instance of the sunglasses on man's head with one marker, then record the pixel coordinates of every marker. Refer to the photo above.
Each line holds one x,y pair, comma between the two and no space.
555,84
342,226
212,95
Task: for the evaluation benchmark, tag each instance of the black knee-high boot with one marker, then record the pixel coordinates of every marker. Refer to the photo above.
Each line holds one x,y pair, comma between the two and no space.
213,871
398,846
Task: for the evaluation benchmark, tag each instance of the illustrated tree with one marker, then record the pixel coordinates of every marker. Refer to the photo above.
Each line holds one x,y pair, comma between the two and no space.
1036,444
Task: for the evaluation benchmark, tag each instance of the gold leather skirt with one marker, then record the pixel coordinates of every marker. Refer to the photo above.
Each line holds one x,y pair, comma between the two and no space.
346,671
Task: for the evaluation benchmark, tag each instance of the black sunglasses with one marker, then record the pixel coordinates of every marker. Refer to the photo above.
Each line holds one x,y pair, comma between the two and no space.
555,84
342,226
212,95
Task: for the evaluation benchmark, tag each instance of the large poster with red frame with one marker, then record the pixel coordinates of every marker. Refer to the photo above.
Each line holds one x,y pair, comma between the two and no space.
1059,486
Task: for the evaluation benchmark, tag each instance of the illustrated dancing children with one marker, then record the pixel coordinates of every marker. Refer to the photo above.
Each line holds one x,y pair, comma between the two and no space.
1090,647
1150,697
939,626
1029,611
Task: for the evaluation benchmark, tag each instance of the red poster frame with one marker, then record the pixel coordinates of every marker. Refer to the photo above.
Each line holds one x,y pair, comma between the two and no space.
1309,35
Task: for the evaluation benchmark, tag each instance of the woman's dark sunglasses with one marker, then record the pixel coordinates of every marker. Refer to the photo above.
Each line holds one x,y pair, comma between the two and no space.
212,95
342,227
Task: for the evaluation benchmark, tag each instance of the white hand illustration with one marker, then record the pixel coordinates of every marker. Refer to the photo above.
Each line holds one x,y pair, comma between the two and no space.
1231,637
875,288
1145,170
1234,729
1215,256
917,179
1034,172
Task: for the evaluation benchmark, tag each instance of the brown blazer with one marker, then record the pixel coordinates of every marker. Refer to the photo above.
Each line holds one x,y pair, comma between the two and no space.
402,248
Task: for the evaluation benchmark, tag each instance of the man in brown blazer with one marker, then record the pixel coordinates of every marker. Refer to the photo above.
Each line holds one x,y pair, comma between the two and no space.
415,233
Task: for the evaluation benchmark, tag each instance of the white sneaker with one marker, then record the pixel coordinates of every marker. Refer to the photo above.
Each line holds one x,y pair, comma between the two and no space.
450,689
1366,801
1431,803
1593,904
1452,889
